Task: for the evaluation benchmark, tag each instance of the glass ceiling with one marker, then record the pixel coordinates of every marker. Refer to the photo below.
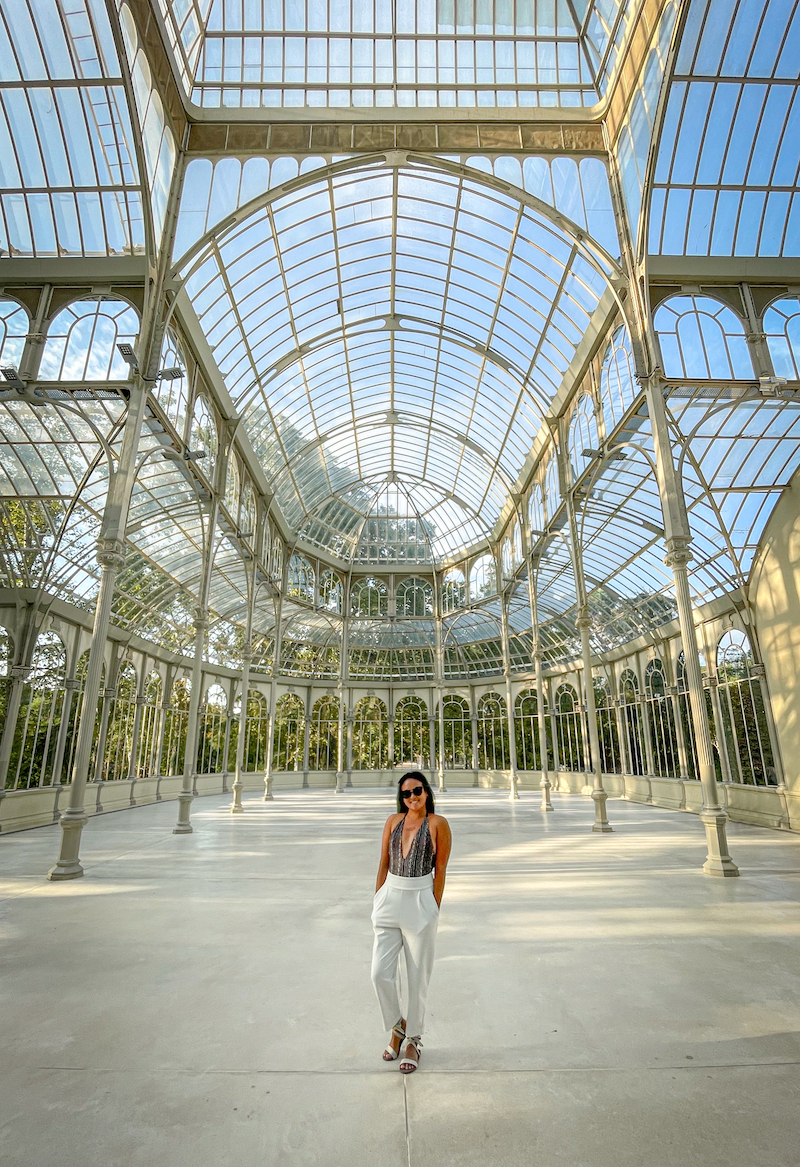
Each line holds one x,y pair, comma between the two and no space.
727,171
394,53
69,175
393,335
402,324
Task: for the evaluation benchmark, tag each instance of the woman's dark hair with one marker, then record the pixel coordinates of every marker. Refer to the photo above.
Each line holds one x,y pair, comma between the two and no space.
420,777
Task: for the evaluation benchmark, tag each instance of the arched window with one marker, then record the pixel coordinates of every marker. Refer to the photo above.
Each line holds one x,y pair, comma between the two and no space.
119,736
232,488
172,393
175,724
369,597
414,598
147,754
211,737
457,733
516,543
247,513
33,752
454,591
158,141
323,740
744,717
583,435
701,337
288,734
370,735
482,578
526,726
606,728
411,737
203,435
300,579
632,722
782,326
507,559
82,342
687,721
493,751
663,740
256,732
277,559
330,591
617,389
14,325
569,728
552,489
536,517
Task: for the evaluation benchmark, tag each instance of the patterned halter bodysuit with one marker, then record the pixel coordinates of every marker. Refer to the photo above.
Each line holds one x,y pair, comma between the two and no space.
420,860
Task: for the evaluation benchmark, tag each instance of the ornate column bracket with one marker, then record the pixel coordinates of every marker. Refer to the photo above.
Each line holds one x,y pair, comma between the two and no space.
110,553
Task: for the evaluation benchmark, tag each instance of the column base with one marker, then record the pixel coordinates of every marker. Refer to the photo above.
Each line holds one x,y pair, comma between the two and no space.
601,824
236,790
339,788
718,861
183,826
68,865
65,871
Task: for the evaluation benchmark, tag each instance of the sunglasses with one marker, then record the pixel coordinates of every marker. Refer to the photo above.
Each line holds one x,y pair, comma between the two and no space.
415,790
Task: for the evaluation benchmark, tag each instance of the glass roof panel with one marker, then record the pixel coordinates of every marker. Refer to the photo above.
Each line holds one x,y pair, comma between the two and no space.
726,177
275,53
401,324
68,170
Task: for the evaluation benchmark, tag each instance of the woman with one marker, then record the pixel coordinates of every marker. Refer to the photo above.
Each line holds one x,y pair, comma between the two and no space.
414,853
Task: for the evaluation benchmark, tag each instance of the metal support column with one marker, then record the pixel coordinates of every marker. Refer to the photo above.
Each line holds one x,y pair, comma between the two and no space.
340,742
110,556
599,796
679,553
183,826
273,701
238,784
512,737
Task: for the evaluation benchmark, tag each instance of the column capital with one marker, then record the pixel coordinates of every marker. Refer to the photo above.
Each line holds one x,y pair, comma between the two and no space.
679,551
110,553
247,654
20,672
200,618
583,620
652,380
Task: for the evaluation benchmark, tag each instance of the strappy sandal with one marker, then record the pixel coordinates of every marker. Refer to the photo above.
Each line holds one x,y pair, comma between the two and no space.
409,1065
390,1054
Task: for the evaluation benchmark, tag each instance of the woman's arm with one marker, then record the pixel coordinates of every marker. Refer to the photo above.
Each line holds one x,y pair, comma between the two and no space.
383,866
443,842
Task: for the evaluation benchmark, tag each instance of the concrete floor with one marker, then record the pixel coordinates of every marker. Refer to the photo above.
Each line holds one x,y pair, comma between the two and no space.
205,1000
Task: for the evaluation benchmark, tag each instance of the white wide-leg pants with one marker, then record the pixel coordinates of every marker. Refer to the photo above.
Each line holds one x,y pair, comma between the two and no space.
404,917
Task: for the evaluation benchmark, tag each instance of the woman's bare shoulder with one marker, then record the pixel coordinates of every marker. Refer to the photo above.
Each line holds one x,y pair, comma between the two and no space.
393,819
438,820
